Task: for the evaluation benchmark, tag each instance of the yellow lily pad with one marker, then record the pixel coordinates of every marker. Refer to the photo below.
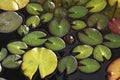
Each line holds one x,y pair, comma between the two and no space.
113,2
12,5
39,58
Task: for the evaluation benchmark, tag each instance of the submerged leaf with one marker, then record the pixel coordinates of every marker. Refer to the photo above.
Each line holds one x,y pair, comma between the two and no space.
41,58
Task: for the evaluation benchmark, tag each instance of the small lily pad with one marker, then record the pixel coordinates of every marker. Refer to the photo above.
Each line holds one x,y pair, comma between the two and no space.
39,58
113,40
68,63
17,47
3,53
9,21
12,61
60,12
98,18
59,27
96,5
49,6
81,2
92,36
46,17
77,12
101,52
23,30
34,8
35,38
89,65
84,51
33,21
55,41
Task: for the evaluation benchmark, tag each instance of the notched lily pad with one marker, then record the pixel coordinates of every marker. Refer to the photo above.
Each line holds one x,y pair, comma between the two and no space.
17,47
113,40
49,6
55,43
33,21
96,5
3,53
39,58
9,21
68,63
84,51
89,65
12,61
46,17
101,52
35,38
23,30
99,20
77,12
92,36
59,27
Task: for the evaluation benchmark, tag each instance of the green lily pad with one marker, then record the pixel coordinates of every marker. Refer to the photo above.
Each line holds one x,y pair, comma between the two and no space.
113,40
33,21
84,51
101,52
91,36
12,61
96,5
46,17
0,69
59,27
34,8
12,5
9,21
81,2
98,18
55,41
89,65
49,6
40,58
113,2
76,12
78,24
17,47
67,3
68,63
23,30
3,53
35,38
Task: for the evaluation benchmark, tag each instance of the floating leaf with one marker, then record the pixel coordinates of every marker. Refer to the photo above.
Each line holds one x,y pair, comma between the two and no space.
12,61
23,30
35,38
68,63
3,53
96,5
17,47
9,21
46,17
101,52
89,65
84,51
59,27
77,12
55,41
34,8
113,2
33,21
41,58
91,36
49,6
81,2
98,18
113,40
12,5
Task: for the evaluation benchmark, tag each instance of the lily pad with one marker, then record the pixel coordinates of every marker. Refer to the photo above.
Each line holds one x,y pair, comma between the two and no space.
96,5
101,52
34,8
9,21
17,47
23,30
114,2
92,36
49,6
76,12
68,63
113,40
81,2
12,61
33,21
12,5
89,65
46,17
59,27
84,51
3,53
98,18
35,38
55,41
40,58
